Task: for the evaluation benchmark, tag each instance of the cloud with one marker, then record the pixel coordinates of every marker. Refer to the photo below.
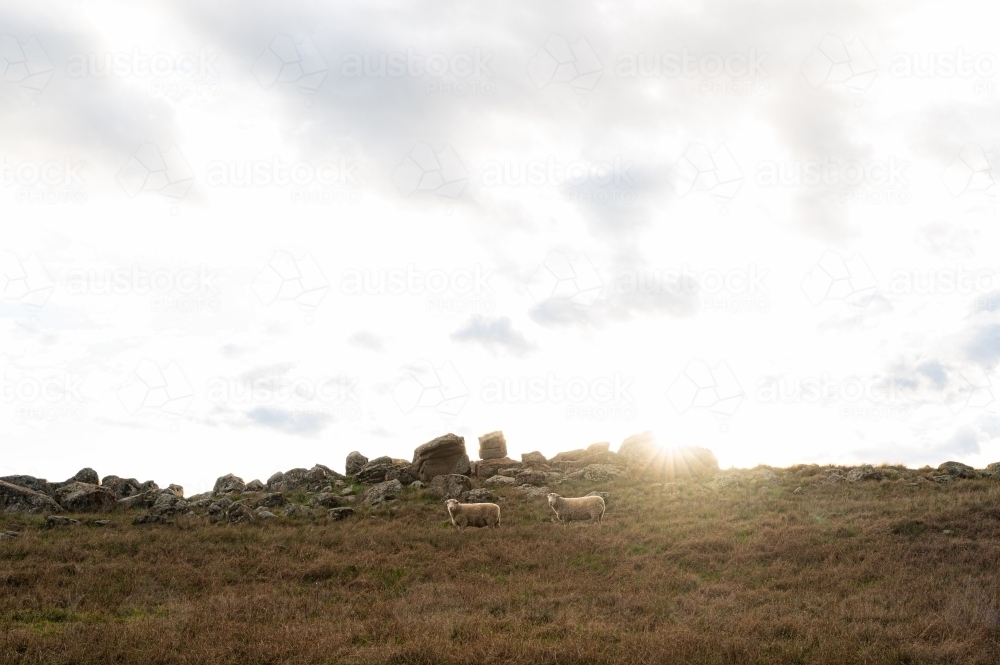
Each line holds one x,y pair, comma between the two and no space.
304,424
367,340
494,334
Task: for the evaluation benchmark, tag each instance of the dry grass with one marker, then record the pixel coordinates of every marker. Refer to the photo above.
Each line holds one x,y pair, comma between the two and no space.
863,573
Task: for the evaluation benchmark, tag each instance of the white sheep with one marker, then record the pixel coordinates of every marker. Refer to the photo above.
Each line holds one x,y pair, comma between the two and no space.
473,514
582,508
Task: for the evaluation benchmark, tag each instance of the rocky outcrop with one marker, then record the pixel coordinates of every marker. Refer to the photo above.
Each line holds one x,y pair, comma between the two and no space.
534,459
18,499
80,497
450,486
492,446
122,487
958,470
439,457
168,503
491,467
315,479
355,462
596,448
229,483
379,494
375,471
30,482
639,448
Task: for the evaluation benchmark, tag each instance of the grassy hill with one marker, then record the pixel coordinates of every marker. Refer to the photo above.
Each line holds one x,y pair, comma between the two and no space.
752,572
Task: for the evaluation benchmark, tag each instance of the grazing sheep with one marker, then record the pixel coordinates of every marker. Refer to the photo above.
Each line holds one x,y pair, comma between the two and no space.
582,508
473,514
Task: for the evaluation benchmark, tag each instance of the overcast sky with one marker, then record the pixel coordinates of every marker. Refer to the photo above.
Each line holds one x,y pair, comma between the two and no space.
245,237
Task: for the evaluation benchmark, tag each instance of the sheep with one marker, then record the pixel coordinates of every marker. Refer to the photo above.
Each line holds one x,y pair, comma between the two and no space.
582,508
473,514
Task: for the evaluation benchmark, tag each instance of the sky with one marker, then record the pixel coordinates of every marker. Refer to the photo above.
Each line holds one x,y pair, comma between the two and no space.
246,237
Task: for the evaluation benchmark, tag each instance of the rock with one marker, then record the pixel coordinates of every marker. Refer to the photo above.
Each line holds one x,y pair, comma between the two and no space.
599,473
337,514
229,483
375,471
530,477
943,479
101,522
500,481
201,504
263,514
168,503
866,472
450,486
417,485
275,479
995,476
347,491
533,459
315,479
401,473
488,468
80,497
492,446
18,499
339,483
122,487
439,457
382,492
464,466
958,470
224,502
639,448
481,495
58,520
834,476
214,510
570,456
271,500
990,468
85,475
797,490
510,471
176,489
355,462
601,447
9,535
533,491
330,473
603,495
151,519
256,486
295,510
326,500
239,512
30,482
142,500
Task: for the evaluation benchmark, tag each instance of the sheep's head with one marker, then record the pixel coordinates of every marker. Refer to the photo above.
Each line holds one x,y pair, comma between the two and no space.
450,504
553,497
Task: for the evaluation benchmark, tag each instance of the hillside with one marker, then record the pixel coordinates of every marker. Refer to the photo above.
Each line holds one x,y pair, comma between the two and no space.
742,568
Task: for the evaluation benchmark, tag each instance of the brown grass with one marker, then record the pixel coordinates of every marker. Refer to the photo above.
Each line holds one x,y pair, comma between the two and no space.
862,573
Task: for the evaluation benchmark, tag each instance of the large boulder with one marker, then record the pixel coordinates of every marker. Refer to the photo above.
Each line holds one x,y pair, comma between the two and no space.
500,481
122,487
375,470
78,497
450,486
355,462
958,470
439,457
492,446
491,467
993,468
639,447
646,457
533,459
229,483
256,486
866,472
168,503
530,477
144,500
326,500
601,447
85,475
379,494
239,513
32,483
402,473
570,455
18,499
271,500
315,479
481,495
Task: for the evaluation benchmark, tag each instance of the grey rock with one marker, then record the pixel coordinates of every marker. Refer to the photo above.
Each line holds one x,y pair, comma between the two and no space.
168,503
382,492
530,477
202,504
85,475
275,478
18,499
866,472
239,513
80,497
511,471
440,456
450,486
122,487
534,459
347,491
176,489
500,481
481,495
326,500
492,446
264,514
337,514
532,490
256,486
30,482
401,473
272,500
491,467
141,500
375,471
943,479
295,510
990,468
59,520
599,473
958,470
151,519
9,535
214,509
224,502
229,483
355,462
797,490
416,484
